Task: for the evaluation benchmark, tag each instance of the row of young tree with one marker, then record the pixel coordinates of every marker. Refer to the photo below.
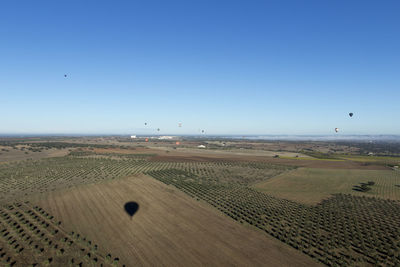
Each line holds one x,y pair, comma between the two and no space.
29,236
343,230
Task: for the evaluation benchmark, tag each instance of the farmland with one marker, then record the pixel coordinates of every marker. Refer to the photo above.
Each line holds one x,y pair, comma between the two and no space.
335,232
333,210
30,177
169,227
29,236
16,153
311,185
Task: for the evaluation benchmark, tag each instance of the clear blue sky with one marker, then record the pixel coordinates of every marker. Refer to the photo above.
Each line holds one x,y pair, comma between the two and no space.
229,67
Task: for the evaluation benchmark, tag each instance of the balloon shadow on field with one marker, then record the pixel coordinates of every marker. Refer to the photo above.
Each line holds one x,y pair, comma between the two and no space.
131,208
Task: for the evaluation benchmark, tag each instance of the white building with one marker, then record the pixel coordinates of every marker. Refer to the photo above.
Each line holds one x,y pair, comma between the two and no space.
133,136
166,137
201,146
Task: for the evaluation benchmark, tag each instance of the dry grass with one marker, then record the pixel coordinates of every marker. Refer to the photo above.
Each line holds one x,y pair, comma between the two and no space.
15,154
235,152
310,186
169,228
299,162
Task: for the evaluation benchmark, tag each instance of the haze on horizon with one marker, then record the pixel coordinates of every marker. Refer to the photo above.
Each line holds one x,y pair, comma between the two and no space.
229,67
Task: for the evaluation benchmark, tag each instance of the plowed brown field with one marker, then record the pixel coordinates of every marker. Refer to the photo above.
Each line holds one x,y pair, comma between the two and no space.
169,228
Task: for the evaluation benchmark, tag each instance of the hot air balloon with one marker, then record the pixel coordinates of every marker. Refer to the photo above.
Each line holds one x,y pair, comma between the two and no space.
158,129
180,124
65,75
336,129
202,131
145,123
146,140
351,114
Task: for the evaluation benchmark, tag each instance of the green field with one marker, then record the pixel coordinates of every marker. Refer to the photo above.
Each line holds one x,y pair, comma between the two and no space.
310,186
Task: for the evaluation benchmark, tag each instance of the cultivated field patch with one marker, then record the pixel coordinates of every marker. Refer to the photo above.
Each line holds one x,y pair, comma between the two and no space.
169,227
89,190
22,179
344,230
15,153
30,236
310,186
